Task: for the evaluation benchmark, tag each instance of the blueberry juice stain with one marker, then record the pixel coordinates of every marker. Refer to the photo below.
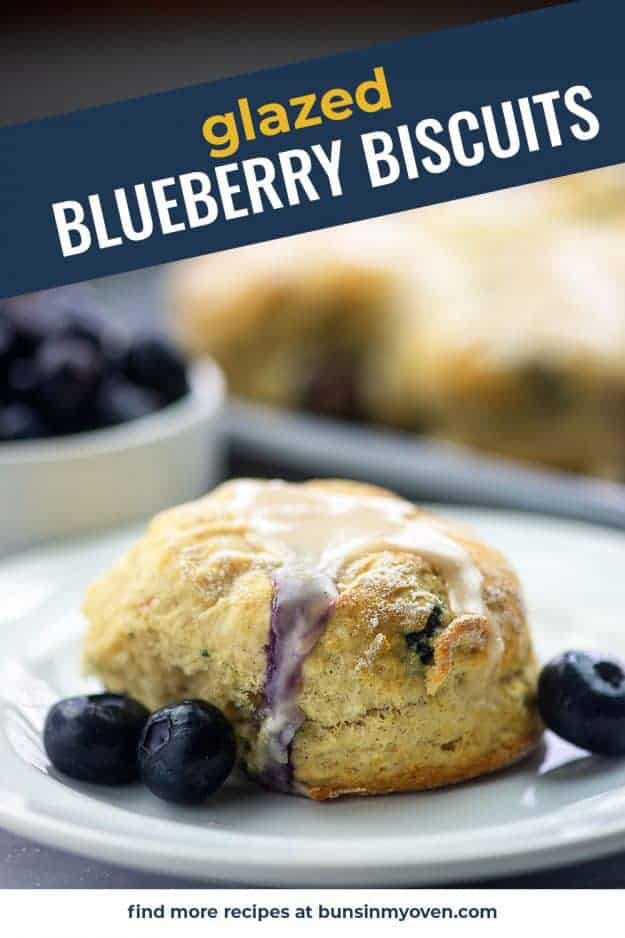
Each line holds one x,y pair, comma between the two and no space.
301,608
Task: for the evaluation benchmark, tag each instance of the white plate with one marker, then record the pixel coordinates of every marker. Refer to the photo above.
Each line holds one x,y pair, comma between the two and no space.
68,486
558,806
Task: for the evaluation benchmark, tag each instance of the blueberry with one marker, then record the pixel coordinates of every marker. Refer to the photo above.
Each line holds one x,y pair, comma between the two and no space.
91,328
581,697
154,363
69,372
548,388
119,401
95,738
186,752
36,317
64,361
7,352
19,422
421,642
84,328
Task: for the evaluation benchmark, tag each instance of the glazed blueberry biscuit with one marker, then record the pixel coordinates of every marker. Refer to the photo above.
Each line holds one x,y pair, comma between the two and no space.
523,354
358,644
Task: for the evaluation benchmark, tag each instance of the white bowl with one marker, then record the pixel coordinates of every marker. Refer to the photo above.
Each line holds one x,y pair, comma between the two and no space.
82,483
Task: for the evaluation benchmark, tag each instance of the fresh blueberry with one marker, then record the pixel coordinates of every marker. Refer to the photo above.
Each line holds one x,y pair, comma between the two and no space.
153,362
61,358
82,327
23,381
7,352
32,318
549,388
69,372
95,738
119,401
19,422
7,342
581,697
186,752
93,328
331,390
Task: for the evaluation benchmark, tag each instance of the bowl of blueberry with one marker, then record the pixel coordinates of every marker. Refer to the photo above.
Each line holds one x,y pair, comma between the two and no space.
97,427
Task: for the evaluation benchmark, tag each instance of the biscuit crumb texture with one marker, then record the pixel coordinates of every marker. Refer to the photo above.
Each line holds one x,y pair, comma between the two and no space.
398,694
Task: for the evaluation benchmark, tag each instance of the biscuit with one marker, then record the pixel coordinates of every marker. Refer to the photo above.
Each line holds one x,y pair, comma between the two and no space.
522,355
292,321
358,644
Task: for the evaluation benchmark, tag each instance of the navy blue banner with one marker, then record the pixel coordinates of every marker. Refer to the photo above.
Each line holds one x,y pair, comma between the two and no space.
311,145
